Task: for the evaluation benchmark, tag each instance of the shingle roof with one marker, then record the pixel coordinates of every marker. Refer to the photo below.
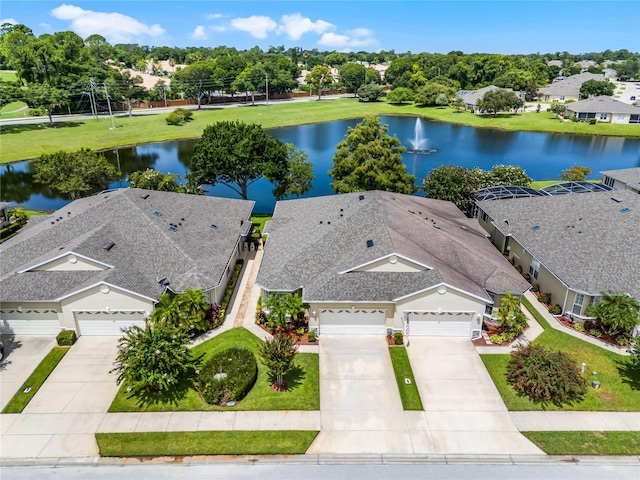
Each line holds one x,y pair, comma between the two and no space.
628,176
194,255
602,104
570,85
587,241
471,97
312,240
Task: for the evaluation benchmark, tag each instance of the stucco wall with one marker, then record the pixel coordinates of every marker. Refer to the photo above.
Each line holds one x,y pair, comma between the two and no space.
318,306
66,263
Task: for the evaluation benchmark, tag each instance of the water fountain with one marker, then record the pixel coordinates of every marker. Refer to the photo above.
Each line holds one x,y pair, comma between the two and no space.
419,141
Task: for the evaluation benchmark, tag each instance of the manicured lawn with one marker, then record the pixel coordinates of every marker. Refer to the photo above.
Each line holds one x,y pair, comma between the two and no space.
586,443
261,219
22,142
620,384
280,442
303,381
8,75
14,110
402,368
21,399
545,183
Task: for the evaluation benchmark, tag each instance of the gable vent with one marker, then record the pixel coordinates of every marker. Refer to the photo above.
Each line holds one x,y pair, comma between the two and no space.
369,243
108,246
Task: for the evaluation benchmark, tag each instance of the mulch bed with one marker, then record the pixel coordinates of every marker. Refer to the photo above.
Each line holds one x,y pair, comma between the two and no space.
604,338
299,339
492,330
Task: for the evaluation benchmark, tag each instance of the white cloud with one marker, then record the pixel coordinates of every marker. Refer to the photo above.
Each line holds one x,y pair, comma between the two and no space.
214,16
12,21
337,41
45,26
360,32
218,28
295,25
115,27
200,33
257,26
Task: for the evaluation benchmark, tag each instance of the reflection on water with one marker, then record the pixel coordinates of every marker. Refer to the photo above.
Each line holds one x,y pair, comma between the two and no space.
542,155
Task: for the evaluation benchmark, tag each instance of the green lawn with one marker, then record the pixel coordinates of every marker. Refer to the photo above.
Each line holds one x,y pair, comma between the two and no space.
14,110
273,442
8,75
22,142
303,381
620,384
586,443
35,380
402,368
260,219
539,184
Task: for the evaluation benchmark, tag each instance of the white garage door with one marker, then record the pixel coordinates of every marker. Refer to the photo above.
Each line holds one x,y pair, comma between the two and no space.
443,324
353,321
107,323
28,321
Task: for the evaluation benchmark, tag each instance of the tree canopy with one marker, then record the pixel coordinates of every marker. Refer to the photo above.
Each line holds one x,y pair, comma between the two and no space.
495,101
319,78
400,95
151,179
596,88
370,159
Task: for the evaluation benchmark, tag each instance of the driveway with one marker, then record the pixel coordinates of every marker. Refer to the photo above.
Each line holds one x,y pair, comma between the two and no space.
22,353
360,407
463,409
62,418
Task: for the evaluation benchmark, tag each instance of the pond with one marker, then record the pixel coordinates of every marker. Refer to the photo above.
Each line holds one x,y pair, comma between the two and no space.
542,155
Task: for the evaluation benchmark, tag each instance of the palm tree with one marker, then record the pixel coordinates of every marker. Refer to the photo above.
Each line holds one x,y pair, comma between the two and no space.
617,312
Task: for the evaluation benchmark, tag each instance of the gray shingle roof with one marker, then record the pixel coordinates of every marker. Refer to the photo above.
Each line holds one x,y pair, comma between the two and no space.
585,240
602,104
628,176
571,85
312,240
195,255
471,97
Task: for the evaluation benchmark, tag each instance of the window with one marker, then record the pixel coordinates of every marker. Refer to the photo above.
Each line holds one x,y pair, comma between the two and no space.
534,268
603,116
562,98
620,116
634,118
483,216
577,304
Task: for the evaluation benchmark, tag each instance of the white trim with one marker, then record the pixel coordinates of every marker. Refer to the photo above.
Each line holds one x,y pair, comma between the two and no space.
382,258
59,299
65,254
352,302
446,285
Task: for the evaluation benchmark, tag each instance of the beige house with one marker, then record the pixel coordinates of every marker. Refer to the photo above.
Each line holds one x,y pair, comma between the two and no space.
100,263
567,89
604,109
366,262
623,179
575,246
471,97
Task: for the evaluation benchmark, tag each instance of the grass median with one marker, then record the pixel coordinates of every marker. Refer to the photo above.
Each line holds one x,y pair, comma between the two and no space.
409,393
23,142
586,443
271,442
22,398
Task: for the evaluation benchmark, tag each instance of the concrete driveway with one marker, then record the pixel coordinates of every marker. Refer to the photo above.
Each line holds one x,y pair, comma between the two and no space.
360,406
463,409
22,353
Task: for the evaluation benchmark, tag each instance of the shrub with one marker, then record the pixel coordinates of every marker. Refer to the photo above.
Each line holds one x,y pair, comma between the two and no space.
579,326
595,332
311,336
184,114
231,286
173,119
526,276
544,298
261,317
545,376
66,338
398,338
555,309
497,339
278,354
518,268
241,369
214,315
535,287
592,121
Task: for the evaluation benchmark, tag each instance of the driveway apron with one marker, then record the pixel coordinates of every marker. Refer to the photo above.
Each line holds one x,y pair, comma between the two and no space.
463,409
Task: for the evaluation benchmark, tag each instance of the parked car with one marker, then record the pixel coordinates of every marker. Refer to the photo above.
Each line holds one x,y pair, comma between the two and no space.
633,97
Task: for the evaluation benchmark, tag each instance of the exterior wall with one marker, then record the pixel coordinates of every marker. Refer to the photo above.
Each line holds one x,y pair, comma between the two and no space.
620,117
384,265
63,263
216,294
317,306
432,301
559,98
6,306
94,299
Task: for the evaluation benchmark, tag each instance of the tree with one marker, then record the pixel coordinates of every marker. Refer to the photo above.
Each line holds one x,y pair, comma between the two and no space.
185,310
43,95
237,154
369,92
153,358
495,101
319,78
195,80
400,95
545,376
558,108
298,178
451,183
503,175
442,100
151,179
510,317
596,88
369,159
280,309
577,173
75,173
124,87
458,104
353,75
617,312
278,355
428,94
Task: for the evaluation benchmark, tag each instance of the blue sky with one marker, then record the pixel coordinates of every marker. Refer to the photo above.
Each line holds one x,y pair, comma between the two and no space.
416,26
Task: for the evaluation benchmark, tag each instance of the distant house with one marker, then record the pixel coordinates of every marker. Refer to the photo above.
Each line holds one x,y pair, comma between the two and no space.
567,89
575,246
554,63
604,109
584,65
101,262
471,97
623,179
365,262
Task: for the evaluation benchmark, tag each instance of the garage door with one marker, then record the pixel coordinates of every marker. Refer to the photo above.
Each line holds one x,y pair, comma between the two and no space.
441,324
107,323
353,321
29,321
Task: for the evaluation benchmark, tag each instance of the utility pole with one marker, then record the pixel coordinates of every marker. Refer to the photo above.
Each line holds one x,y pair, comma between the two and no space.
266,88
113,126
94,108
